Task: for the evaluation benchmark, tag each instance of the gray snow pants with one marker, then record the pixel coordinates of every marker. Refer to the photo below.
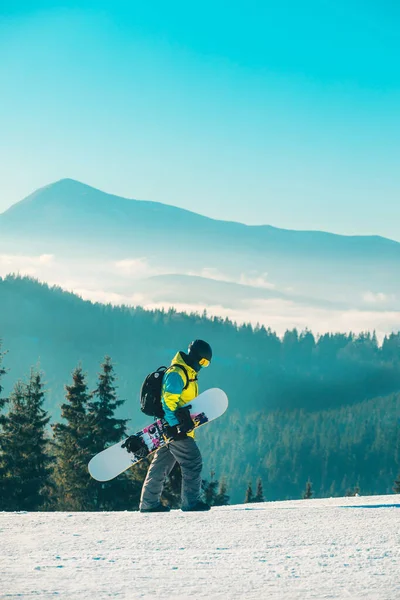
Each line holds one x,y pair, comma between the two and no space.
187,454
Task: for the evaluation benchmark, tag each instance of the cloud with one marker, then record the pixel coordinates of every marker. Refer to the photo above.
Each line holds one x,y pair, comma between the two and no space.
108,297
134,267
282,314
25,265
377,298
252,278
278,314
116,282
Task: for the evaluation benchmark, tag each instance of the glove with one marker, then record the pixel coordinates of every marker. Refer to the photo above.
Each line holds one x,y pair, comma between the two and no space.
185,421
172,433
136,445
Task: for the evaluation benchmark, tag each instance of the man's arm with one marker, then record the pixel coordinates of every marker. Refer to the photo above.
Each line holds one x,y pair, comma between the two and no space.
172,390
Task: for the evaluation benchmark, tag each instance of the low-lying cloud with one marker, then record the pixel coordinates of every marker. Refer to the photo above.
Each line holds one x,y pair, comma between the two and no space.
252,278
278,314
25,265
134,268
378,298
123,282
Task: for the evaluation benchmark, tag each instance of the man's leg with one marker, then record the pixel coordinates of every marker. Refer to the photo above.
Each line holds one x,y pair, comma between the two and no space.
187,453
160,467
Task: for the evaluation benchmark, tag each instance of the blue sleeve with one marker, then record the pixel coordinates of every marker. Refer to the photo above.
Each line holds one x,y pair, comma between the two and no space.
171,394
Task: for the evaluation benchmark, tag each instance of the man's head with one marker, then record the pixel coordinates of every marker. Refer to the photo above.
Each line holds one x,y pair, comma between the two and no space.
199,354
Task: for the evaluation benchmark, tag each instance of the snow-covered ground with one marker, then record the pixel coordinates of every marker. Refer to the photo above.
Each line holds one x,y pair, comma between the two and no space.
335,548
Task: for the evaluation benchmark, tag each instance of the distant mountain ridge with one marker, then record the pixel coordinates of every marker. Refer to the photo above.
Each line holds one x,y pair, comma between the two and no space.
202,289
60,203
80,225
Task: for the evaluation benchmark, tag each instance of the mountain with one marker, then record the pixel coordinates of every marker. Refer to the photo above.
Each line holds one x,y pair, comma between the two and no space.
57,207
192,289
96,239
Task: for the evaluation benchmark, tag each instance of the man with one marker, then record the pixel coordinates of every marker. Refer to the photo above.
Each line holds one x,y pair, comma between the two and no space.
179,389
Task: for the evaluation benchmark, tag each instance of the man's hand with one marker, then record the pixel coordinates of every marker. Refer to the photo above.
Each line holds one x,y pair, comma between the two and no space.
185,421
136,445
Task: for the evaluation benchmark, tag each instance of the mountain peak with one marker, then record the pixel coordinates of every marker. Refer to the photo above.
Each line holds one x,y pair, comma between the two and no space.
65,193
70,184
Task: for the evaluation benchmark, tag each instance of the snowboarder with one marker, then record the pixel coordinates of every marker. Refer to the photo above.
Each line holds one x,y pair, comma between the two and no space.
179,388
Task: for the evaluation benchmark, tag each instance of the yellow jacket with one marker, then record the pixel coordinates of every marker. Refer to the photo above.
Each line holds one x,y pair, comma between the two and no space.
173,394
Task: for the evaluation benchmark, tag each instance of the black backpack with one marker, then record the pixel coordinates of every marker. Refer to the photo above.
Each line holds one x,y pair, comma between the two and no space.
150,394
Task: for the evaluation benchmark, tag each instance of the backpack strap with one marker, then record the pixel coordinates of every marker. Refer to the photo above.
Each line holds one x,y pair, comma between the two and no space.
186,374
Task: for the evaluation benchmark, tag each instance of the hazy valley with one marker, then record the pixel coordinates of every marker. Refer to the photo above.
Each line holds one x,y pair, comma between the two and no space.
116,250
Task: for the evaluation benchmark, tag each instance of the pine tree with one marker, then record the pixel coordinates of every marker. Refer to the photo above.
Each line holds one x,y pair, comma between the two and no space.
249,497
396,486
73,448
222,499
308,491
210,489
24,462
104,430
12,424
259,497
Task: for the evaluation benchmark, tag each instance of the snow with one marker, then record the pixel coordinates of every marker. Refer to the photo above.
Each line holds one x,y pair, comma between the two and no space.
333,548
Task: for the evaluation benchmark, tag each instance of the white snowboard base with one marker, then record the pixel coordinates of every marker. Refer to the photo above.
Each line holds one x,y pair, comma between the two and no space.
114,460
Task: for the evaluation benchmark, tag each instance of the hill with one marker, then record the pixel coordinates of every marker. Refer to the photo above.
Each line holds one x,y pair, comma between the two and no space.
58,206
300,406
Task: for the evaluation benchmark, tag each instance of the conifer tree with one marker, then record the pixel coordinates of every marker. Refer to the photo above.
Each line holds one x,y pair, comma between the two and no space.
72,442
104,430
24,462
11,427
259,497
396,486
222,498
308,491
249,497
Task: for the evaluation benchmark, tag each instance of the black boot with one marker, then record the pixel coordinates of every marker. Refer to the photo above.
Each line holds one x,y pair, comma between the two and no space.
199,506
158,508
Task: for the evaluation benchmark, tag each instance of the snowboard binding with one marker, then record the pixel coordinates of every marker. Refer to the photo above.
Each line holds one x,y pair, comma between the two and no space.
136,446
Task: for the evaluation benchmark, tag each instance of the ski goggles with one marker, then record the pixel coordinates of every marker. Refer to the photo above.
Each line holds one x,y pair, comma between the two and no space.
203,362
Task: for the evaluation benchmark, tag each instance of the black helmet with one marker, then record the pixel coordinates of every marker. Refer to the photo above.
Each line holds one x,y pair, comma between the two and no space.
200,350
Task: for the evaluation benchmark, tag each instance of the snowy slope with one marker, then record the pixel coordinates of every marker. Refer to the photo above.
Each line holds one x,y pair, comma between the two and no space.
335,548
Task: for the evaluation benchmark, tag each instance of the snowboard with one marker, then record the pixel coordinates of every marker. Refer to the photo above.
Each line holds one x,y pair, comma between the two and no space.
114,460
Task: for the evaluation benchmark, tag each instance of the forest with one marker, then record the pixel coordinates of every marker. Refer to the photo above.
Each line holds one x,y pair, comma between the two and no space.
307,411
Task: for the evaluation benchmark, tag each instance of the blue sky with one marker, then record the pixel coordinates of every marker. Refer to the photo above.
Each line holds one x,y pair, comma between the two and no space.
283,113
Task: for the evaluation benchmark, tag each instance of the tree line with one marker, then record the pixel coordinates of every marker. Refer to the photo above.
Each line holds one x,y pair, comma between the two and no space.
302,407
45,468
298,371
337,450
